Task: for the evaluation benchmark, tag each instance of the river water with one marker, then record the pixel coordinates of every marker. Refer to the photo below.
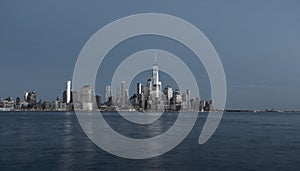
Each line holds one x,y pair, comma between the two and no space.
243,141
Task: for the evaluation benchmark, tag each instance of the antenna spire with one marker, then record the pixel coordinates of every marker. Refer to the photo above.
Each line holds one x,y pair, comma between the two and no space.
155,58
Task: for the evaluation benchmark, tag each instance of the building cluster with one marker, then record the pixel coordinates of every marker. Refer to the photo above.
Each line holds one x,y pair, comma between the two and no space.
30,102
149,97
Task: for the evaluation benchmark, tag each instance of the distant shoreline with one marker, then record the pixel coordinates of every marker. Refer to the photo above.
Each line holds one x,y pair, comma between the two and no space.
113,111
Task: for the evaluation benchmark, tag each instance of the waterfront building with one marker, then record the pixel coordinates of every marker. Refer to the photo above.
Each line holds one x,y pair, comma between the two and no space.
140,104
126,98
86,97
168,91
110,103
67,94
60,105
68,89
107,93
18,103
31,99
117,100
134,101
7,104
123,98
188,98
25,95
208,105
98,101
139,88
176,101
141,101
202,105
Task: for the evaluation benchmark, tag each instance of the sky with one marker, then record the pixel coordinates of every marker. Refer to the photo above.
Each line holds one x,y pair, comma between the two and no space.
257,41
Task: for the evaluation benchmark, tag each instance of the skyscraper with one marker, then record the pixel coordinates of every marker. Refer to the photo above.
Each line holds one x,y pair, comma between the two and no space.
152,93
155,72
139,88
98,101
123,99
107,94
156,82
176,100
25,95
188,98
18,103
126,97
68,92
140,96
86,97
117,101
149,87
168,91
168,94
31,99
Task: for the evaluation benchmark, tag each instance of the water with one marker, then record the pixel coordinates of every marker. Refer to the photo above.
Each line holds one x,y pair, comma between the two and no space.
243,141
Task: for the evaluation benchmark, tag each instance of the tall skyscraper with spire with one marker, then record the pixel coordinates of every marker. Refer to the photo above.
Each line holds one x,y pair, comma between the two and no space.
155,76
155,72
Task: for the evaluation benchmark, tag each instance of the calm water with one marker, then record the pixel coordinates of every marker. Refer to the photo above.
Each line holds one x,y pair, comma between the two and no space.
243,141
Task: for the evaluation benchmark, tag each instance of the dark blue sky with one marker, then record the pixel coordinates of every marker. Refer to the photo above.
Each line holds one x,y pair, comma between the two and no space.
257,41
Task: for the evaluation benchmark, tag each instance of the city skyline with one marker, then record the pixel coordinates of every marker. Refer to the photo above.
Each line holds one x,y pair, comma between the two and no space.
149,97
39,48
151,94
121,99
